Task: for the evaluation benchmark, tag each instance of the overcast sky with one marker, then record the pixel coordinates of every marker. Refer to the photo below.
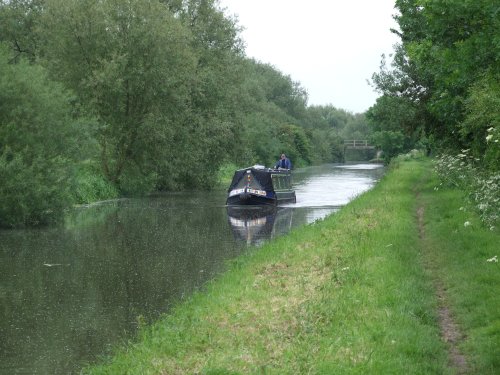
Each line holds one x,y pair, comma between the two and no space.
332,47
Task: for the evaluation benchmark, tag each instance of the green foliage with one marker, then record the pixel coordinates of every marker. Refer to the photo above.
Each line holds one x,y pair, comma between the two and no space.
18,19
482,189
295,144
268,102
393,113
327,127
91,186
327,146
39,144
130,65
390,142
356,127
34,190
171,94
225,174
443,85
481,126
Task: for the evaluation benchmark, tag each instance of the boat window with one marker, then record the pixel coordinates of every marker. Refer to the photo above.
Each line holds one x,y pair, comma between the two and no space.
279,182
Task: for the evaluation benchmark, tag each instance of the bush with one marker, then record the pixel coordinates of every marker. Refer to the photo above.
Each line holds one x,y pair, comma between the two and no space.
390,142
40,142
32,193
482,188
92,186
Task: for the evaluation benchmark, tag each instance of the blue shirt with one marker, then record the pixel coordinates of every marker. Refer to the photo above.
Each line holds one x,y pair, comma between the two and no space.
284,163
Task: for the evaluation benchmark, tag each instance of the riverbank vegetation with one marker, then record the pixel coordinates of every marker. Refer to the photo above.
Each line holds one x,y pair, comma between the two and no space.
362,291
129,98
101,99
441,93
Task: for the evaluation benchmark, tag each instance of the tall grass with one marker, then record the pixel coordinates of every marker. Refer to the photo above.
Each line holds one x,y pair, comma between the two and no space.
482,188
352,294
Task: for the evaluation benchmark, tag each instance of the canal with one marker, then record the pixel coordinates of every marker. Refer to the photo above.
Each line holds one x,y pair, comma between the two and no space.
69,294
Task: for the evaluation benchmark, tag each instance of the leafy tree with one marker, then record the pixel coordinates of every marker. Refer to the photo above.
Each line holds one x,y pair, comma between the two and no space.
40,142
267,100
18,19
356,128
214,90
327,146
326,117
295,144
481,126
130,62
328,127
447,48
281,90
390,142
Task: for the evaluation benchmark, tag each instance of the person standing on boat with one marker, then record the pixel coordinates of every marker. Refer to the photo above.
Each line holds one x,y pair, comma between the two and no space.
283,163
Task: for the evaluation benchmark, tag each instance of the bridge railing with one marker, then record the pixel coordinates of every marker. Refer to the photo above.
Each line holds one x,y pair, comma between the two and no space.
357,143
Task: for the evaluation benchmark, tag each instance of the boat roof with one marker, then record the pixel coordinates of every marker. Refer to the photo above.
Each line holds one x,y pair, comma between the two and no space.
262,175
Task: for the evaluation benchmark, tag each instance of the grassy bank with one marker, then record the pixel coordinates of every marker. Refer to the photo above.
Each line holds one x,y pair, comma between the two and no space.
361,292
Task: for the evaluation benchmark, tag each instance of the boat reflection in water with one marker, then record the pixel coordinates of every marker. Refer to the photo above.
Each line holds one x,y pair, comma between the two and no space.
255,224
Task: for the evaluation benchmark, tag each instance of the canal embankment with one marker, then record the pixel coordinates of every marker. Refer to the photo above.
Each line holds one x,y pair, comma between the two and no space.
401,280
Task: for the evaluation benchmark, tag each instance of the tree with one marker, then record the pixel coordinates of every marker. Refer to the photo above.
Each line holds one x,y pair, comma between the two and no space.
215,84
130,62
18,19
267,100
481,126
40,142
295,144
390,142
447,47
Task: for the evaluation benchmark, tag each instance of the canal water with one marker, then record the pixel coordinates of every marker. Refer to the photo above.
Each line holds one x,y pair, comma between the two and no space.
69,294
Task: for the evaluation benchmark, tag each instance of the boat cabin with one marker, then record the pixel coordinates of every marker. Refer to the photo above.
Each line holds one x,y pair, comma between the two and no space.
258,185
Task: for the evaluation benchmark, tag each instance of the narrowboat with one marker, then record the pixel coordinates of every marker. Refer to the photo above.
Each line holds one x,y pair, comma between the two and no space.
259,185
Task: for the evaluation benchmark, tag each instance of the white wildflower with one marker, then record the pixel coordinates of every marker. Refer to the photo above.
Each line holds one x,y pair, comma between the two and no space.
467,223
493,260
488,137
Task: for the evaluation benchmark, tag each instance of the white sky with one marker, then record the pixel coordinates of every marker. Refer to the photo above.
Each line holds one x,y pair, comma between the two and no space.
330,46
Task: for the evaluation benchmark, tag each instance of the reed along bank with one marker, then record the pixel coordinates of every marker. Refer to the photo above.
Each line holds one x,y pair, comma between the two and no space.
395,282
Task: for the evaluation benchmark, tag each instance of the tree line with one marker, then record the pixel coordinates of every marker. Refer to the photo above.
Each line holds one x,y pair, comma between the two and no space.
442,90
108,98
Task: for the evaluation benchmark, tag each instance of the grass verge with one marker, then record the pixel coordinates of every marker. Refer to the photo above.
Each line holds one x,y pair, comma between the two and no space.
352,294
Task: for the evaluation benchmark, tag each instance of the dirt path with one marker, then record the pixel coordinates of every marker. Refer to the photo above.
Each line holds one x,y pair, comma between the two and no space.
450,331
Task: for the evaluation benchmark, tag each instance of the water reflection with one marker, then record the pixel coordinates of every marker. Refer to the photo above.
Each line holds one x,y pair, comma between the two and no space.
69,294
254,225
